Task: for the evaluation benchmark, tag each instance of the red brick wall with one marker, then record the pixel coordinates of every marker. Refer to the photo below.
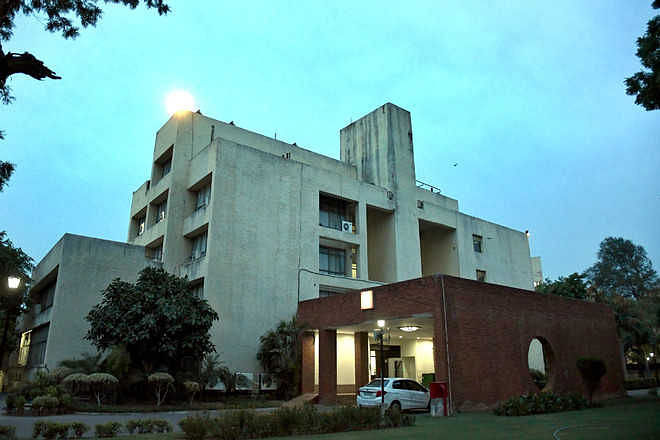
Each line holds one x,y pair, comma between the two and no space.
490,328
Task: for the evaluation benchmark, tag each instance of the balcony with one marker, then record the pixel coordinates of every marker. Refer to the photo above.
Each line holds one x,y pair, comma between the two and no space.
340,236
194,269
196,220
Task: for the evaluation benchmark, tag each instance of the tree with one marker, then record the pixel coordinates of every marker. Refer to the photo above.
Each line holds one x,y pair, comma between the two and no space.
646,83
280,354
13,302
572,286
157,319
65,16
622,269
212,370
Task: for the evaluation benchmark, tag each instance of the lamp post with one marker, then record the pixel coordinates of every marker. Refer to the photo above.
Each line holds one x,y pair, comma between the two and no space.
379,335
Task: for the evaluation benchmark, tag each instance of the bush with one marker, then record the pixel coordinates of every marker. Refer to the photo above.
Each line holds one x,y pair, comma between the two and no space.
147,426
393,417
55,430
191,388
59,373
37,429
79,429
7,432
293,421
638,384
538,377
540,403
40,403
161,382
195,427
105,430
591,370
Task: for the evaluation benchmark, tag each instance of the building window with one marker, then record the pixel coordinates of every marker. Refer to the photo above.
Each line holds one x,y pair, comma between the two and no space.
477,241
199,246
203,196
161,209
140,224
47,296
332,212
332,261
198,290
166,167
481,275
24,348
155,253
37,349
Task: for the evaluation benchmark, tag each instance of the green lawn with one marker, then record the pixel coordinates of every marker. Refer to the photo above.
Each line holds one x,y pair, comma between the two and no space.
625,419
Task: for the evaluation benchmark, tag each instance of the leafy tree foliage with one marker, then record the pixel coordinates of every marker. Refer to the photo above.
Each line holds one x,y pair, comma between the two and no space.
212,370
157,319
622,269
280,354
6,169
645,84
572,286
63,16
13,262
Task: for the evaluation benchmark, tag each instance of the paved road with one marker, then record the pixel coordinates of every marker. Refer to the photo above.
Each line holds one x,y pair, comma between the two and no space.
24,424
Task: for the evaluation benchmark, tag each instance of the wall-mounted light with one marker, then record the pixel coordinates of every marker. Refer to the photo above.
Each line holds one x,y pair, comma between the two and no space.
366,300
409,328
381,323
13,282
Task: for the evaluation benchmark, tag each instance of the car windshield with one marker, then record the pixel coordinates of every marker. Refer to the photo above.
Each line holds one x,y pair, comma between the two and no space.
376,383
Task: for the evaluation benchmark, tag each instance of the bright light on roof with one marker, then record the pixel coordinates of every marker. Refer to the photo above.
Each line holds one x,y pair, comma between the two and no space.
179,101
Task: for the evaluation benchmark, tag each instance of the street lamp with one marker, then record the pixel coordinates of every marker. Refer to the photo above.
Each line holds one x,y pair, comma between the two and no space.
378,334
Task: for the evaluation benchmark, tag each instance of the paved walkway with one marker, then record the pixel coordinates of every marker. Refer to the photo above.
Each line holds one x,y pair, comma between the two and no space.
24,424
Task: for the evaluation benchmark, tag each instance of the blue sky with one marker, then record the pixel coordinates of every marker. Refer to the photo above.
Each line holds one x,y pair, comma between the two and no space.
528,99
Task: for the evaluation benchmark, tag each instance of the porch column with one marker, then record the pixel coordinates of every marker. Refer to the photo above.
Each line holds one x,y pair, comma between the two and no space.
361,359
307,362
327,366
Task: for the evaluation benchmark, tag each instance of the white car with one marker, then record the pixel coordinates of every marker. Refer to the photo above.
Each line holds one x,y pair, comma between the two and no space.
399,392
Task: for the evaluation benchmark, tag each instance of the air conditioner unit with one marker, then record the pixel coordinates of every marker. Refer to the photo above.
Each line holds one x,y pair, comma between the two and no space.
347,226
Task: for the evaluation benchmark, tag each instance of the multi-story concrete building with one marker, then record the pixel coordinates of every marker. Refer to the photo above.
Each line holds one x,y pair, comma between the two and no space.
259,224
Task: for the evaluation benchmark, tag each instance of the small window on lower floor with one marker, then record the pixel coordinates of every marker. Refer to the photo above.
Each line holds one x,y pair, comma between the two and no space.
198,290
481,275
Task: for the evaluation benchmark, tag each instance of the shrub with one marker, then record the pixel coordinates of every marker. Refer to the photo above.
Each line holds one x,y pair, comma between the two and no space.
101,383
161,382
58,374
195,427
191,388
538,377
540,403
40,403
54,430
79,429
66,401
10,401
638,384
591,370
110,429
162,425
19,402
38,428
7,432
393,417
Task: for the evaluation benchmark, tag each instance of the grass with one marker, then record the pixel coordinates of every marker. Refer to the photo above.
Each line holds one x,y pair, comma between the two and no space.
622,419
228,403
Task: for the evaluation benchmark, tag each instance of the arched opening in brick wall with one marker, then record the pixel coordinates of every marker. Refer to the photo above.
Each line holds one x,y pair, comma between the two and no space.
539,362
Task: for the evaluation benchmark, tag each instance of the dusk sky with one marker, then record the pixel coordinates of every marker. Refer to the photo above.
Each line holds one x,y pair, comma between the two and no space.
527,97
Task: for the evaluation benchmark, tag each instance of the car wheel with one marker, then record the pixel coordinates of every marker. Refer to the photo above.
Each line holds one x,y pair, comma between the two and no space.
396,405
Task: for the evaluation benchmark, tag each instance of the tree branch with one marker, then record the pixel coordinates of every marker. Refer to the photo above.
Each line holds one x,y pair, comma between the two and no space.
25,63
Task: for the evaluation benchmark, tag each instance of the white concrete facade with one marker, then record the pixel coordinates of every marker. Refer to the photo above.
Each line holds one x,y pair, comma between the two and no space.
257,222
66,284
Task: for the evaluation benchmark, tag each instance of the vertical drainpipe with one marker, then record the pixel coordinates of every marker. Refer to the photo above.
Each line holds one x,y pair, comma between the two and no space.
444,310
